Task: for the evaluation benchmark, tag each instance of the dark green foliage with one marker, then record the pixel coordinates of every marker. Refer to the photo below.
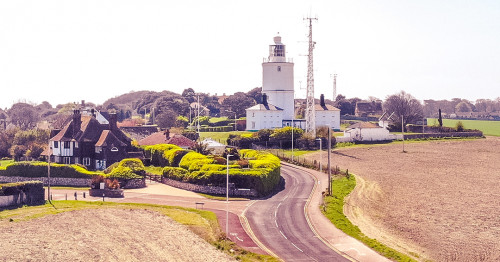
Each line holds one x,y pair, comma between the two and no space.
232,152
264,134
440,119
175,173
459,126
191,135
33,189
157,153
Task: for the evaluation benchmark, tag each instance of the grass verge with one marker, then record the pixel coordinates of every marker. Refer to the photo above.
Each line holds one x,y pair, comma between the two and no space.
333,210
222,197
201,222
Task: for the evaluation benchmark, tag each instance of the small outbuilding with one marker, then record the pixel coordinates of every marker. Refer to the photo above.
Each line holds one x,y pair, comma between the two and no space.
366,131
216,147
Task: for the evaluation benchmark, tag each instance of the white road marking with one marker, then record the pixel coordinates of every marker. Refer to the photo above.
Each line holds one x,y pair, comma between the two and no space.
297,247
284,236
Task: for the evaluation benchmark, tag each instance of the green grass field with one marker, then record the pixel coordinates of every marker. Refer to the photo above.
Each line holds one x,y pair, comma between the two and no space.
221,137
489,128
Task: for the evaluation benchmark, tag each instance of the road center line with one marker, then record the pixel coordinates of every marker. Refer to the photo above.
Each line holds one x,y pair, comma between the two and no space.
287,239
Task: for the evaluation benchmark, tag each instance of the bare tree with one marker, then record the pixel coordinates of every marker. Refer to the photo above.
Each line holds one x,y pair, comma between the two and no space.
405,107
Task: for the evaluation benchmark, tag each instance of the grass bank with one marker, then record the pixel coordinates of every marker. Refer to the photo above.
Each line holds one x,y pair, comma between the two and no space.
489,128
334,211
201,222
221,137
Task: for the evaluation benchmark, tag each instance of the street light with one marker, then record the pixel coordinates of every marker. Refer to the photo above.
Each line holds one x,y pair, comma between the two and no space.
292,139
227,194
48,173
320,154
329,167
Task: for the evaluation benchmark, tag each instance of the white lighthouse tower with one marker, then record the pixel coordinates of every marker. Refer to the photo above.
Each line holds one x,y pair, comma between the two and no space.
277,79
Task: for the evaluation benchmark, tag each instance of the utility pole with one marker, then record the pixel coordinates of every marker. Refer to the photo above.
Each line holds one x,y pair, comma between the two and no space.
48,173
329,165
310,112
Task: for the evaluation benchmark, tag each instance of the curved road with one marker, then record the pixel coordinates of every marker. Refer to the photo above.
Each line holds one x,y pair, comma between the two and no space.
281,225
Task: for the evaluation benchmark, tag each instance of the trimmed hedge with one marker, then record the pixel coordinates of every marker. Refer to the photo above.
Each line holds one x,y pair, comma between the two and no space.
263,175
157,153
193,157
175,173
15,188
39,169
124,173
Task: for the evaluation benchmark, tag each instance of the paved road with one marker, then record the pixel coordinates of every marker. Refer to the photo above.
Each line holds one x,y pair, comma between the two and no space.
281,225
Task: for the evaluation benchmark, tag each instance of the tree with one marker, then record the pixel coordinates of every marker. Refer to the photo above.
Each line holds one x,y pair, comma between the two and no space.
256,94
23,115
407,109
189,94
463,107
285,133
440,119
238,103
166,119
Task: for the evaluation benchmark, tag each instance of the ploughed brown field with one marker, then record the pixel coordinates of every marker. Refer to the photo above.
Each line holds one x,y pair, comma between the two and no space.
104,235
440,200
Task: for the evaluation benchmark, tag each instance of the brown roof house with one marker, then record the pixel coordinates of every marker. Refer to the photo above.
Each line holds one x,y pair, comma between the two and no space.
166,137
86,141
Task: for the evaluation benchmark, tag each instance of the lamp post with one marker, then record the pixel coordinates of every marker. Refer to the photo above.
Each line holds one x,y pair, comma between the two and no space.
329,167
320,154
227,194
292,139
198,107
48,173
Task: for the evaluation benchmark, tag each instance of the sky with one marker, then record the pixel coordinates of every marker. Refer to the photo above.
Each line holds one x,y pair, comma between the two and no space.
67,51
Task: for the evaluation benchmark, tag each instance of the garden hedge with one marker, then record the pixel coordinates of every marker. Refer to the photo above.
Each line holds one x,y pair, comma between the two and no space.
15,188
39,169
157,153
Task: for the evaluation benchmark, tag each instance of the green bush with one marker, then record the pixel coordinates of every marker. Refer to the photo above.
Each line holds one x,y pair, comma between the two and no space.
134,164
190,158
198,164
157,153
39,169
175,173
123,172
216,167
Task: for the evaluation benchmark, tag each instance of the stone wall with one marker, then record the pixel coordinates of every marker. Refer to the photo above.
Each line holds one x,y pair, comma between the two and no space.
133,183
54,181
215,190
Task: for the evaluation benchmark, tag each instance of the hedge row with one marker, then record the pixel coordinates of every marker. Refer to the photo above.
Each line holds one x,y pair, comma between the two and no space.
39,169
128,168
15,188
159,154
217,128
263,174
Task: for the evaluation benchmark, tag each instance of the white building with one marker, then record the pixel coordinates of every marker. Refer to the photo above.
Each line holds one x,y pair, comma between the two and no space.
264,115
365,131
278,107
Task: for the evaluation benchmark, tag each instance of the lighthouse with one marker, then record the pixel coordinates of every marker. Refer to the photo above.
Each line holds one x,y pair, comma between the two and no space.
277,79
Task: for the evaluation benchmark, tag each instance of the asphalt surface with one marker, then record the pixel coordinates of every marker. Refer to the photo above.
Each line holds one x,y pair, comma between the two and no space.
281,225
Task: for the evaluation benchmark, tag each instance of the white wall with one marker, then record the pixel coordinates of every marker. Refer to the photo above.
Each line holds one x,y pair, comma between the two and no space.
331,118
369,134
257,119
277,83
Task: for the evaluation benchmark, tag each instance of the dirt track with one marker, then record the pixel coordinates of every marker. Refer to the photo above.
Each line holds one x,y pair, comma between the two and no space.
439,200
104,235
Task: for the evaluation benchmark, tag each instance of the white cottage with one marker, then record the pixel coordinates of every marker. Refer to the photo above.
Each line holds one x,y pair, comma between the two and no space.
365,131
263,116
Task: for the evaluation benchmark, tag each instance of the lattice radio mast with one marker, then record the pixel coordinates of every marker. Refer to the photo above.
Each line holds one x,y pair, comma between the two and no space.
310,112
334,87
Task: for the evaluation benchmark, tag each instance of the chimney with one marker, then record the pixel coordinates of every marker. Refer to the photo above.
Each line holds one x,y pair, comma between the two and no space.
264,99
322,100
77,121
167,134
112,121
92,111
83,103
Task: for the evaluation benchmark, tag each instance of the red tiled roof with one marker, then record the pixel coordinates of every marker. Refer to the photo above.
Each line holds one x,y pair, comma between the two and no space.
154,139
181,141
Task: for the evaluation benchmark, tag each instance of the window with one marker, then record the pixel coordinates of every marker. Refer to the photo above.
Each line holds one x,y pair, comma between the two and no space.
253,114
67,160
66,144
56,144
253,125
279,68
86,161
